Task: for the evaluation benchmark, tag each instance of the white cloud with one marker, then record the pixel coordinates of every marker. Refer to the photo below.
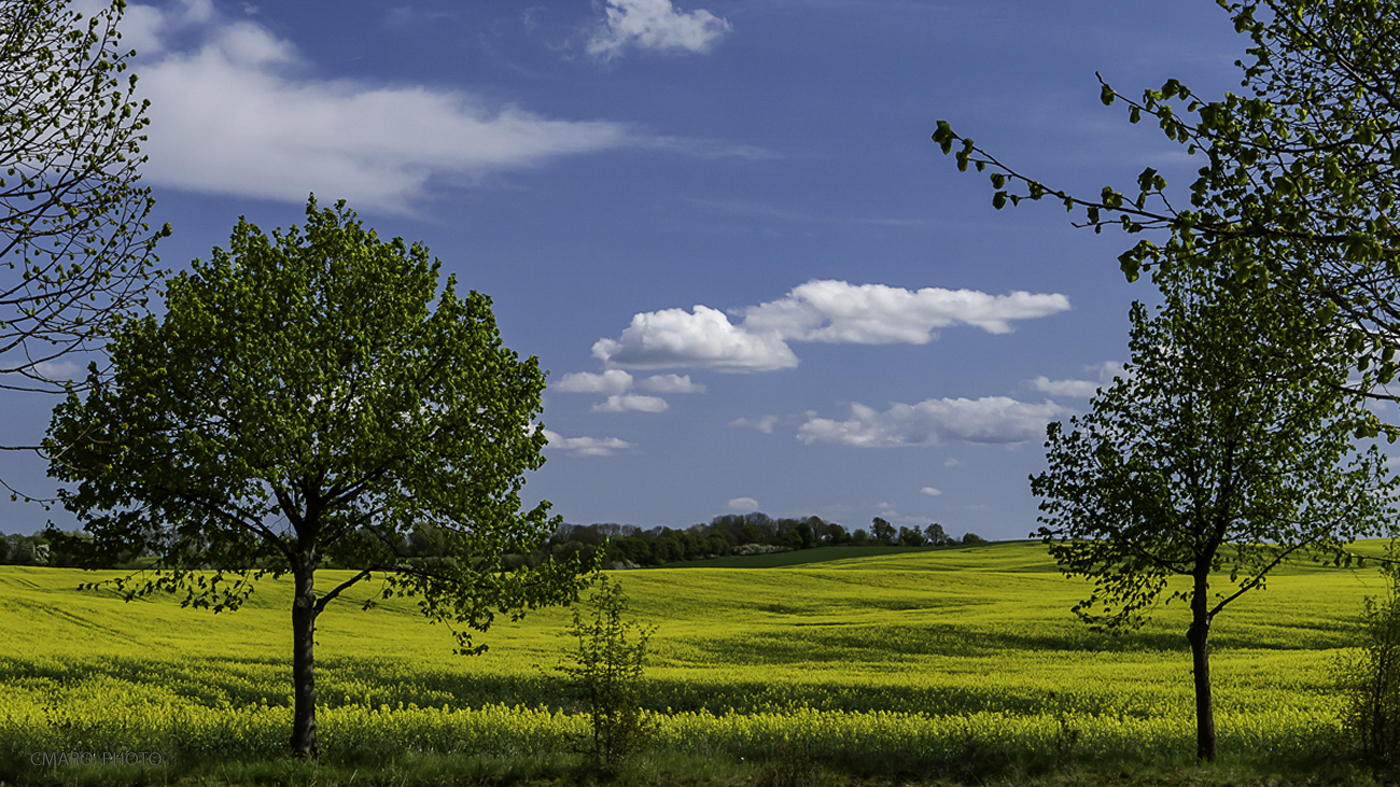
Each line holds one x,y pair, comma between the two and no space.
654,24
613,381
1065,387
631,402
764,424
238,114
931,492
818,311
1107,371
840,312
953,462
703,337
586,446
993,419
669,383
745,504
59,370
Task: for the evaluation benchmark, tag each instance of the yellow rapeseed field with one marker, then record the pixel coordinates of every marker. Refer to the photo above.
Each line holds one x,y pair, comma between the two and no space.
916,656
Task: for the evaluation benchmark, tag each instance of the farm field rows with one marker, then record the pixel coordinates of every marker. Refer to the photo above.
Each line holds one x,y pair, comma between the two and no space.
916,656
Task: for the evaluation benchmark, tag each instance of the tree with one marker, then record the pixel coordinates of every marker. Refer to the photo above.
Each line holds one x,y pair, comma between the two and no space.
1299,175
73,229
1211,460
305,400
936,536
882,531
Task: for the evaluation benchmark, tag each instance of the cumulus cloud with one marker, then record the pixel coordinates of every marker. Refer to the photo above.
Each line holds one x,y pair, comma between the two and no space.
1107,371
669,383
656,25
764,424
585,446
840,312
818,311
631,402
613,381
703,337
931,492
745,504
239,114
993,419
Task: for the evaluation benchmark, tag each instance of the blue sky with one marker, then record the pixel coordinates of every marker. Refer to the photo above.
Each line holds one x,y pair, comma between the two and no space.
720,225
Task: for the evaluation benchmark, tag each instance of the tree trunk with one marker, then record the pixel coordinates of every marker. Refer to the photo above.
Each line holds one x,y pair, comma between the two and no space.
1199,636
304,665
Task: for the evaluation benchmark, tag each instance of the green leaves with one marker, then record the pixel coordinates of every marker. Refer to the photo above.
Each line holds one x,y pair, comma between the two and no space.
944,136
315,393
71,209
1220,452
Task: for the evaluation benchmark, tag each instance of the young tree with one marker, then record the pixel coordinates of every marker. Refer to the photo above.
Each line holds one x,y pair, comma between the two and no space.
73,236
1214,459
313,397
604,672
1298,173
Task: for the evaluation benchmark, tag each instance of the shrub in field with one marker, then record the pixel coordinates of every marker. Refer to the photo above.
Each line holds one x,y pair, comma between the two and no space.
604,673
1370,679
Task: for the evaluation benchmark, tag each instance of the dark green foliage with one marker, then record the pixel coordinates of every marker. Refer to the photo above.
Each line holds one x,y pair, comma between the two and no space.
882,531
629,545
911,537
604,672
935,536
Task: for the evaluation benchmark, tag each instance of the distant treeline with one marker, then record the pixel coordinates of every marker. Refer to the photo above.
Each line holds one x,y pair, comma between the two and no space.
736,534
626,545
20,550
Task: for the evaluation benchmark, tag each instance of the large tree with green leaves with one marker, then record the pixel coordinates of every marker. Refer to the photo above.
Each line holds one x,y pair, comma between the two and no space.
310,397
74,243
1211,462
1299,173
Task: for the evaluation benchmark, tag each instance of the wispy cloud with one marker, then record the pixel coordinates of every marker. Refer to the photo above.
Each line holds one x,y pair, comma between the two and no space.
654,25
1107,372
764,424
585,446
239,113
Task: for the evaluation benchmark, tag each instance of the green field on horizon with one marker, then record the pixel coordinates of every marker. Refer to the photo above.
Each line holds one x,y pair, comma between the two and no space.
946,635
